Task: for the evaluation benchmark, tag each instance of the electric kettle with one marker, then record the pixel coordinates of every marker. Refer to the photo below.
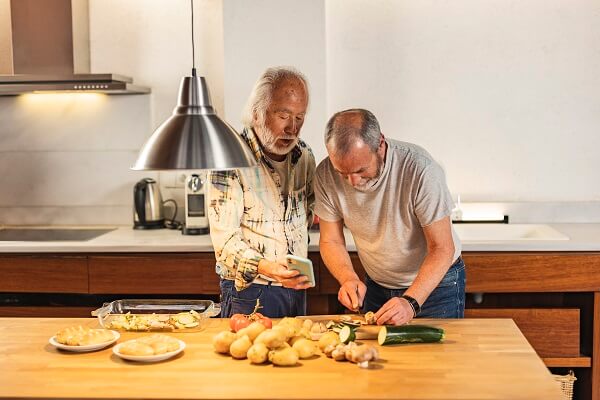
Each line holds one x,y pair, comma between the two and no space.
147,205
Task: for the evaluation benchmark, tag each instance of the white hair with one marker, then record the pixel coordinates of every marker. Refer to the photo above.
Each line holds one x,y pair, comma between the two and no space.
260,98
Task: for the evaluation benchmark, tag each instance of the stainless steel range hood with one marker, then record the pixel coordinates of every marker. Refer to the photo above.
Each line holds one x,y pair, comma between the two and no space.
95,83
44,47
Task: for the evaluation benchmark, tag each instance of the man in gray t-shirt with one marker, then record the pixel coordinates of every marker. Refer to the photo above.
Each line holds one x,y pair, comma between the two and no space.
393,198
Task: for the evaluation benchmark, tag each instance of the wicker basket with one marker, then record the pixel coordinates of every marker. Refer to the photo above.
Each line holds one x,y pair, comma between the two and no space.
566,384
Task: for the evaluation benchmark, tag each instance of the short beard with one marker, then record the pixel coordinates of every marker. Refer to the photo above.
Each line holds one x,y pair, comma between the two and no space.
268,140
371,181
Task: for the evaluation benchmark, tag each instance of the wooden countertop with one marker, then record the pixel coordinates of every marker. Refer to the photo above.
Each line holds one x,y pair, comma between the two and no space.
480,359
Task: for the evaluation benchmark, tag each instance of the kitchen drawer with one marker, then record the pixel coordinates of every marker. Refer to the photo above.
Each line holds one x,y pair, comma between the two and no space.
532,272
154,274
44,274
552,332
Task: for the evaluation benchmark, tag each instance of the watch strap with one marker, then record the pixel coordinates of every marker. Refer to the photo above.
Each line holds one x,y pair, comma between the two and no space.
413,303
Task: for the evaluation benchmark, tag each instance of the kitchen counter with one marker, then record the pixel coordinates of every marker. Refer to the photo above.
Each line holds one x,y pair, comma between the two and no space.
124,239
479,359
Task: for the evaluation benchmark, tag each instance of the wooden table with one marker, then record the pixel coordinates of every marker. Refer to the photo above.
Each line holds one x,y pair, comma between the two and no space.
480,359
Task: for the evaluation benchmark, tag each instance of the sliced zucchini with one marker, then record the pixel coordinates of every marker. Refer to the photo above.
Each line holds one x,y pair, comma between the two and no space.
409,334
354,323
347,334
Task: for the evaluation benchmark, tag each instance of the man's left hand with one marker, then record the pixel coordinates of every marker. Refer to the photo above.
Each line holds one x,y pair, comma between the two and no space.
396,311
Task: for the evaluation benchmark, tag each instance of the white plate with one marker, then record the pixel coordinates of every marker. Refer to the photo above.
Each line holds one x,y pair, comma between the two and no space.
155,358
89,347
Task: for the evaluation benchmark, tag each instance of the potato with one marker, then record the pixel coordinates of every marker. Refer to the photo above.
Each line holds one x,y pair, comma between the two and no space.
294,323
327,339
287,330
252,330
240,347
305,348
295,339
304,333
307,324
284,357
135,348
258,353
222,341
271,338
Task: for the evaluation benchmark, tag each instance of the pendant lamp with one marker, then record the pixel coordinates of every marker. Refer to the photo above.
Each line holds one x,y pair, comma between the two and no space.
194,137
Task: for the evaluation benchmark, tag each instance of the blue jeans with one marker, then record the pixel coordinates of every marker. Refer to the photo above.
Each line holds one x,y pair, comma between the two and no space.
275,301
446,301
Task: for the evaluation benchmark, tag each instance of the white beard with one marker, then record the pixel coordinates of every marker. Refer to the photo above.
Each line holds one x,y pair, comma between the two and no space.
269,141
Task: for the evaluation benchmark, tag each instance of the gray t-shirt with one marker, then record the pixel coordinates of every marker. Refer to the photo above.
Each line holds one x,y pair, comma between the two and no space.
387,219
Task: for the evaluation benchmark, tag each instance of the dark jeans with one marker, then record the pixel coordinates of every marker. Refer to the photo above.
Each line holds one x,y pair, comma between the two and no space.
275,301
446,301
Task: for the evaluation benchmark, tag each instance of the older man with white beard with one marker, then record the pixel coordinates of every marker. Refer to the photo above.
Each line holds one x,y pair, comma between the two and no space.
259,215
393,198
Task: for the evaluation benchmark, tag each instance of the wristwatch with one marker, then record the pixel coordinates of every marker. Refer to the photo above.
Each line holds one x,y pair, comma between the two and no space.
413,303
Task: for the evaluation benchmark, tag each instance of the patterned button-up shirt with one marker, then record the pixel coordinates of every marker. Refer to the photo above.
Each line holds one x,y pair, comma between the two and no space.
251,220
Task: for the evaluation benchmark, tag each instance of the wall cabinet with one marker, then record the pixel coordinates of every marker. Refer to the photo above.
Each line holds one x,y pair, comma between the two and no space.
554,298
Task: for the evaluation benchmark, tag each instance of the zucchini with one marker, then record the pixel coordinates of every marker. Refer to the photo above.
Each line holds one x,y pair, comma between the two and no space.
409,334
347,334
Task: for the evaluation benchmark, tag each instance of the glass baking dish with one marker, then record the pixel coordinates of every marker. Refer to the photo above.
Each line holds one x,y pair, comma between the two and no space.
164,315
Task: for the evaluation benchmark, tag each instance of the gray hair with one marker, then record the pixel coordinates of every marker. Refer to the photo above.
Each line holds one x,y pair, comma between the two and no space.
343,135
260,98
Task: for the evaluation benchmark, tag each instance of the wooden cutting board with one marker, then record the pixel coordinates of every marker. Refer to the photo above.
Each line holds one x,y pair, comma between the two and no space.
482,358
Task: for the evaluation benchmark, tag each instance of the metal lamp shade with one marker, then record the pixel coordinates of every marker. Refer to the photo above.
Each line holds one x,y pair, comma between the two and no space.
194,137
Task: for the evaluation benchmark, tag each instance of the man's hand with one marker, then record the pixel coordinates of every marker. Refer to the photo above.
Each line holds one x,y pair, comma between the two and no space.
289,278
396,311
352,293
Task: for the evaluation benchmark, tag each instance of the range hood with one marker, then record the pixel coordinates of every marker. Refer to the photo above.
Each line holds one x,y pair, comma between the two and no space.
45,47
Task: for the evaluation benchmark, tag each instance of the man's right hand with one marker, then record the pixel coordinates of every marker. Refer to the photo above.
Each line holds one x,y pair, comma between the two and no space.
352,293
289,278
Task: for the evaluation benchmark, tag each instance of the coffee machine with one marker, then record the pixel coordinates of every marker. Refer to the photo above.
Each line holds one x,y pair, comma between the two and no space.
147,205
196,216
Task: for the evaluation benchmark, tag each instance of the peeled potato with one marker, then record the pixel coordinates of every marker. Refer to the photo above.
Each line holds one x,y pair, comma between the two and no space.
239,348
135,348
160,343
305,348
258,353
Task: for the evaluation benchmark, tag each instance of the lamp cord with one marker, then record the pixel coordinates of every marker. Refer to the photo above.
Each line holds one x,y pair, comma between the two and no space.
193,46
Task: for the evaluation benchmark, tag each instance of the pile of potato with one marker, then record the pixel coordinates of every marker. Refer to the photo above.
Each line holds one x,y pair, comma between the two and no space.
287,343
283,345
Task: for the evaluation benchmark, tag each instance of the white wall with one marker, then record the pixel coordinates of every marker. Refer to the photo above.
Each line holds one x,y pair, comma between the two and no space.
264,33
65,158
150,40
505,94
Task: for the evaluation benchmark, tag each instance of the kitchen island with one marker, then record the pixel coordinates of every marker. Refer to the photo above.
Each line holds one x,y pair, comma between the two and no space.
550,288
479,359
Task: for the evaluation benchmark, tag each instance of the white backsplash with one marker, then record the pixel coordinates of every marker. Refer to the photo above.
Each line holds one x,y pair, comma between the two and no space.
65,158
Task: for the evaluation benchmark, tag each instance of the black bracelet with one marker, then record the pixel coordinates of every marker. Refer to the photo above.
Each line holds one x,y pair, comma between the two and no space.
413,303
